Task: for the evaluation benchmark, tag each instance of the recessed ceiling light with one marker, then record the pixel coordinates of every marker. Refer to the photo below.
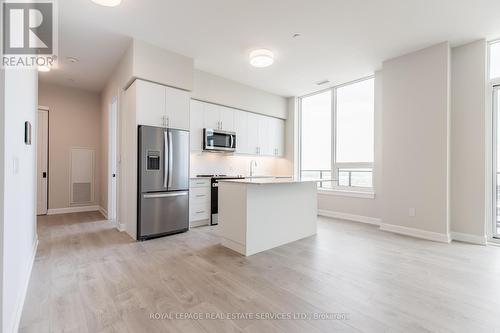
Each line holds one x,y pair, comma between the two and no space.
44,68
261,58
107,3
72,60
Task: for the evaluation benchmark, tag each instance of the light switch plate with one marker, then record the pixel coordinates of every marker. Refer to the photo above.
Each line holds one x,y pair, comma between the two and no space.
412,212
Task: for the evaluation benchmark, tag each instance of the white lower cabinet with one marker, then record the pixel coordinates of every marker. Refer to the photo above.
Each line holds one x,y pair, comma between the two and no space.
199,202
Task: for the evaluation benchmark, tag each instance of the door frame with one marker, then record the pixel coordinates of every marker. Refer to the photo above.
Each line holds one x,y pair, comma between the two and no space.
44,109
496,109
112,208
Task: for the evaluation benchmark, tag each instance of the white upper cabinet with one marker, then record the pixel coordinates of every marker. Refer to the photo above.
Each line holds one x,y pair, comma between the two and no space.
211,116
219,117
241,129
253,142
277,137
227,119
196,125
255,134
161,106
149,103
177,108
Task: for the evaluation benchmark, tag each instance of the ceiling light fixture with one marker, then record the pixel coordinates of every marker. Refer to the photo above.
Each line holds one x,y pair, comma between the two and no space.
44,68
107,3
261,58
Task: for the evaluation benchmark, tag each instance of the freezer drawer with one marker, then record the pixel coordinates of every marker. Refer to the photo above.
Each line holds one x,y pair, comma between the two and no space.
163,213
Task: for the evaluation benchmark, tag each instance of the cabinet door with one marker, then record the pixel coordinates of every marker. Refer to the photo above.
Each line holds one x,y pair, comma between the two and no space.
253,142
150,103
265,136
196,125
211,116
241,129
227,119
177,108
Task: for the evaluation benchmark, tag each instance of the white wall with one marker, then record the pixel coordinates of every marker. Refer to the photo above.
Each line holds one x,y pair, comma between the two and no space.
74,121
162,66
468,142
216,89
416,140
19,229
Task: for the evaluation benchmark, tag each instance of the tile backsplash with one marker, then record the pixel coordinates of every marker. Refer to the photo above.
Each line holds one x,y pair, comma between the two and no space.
228,164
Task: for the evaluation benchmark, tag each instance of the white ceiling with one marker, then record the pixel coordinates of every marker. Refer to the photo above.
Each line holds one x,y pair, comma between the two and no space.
340,40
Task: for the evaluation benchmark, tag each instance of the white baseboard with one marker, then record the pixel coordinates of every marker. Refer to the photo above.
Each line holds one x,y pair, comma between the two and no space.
417,233
77,209
200,223
104,212
120,226
24,290
350,217
469,238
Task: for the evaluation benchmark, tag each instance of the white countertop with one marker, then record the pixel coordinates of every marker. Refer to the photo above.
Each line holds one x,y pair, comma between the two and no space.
273,180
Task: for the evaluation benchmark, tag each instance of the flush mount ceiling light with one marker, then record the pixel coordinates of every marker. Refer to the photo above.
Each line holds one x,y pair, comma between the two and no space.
107,3
261,58
44,69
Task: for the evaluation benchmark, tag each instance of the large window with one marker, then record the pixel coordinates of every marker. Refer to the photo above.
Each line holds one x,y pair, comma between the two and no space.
337,138
316,136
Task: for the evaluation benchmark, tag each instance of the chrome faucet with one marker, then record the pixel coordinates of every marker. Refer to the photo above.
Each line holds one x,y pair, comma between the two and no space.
252,164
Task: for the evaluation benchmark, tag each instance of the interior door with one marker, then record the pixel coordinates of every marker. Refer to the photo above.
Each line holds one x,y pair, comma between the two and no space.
42,161
113,157
496,176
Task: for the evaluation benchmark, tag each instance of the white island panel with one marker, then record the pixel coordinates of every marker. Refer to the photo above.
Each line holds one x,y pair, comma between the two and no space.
255,217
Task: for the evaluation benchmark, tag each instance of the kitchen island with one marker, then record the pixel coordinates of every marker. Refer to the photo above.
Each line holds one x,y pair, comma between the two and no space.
259,214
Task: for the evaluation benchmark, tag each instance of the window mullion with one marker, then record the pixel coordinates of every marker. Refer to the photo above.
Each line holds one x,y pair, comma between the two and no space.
334,172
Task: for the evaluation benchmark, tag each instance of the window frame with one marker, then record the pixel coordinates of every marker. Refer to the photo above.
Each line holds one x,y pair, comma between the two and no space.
334,165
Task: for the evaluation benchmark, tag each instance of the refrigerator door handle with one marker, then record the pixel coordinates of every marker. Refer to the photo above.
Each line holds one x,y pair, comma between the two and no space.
170,158
166,162
165,195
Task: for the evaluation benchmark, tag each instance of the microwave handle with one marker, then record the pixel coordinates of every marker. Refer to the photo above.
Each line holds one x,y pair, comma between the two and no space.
232,141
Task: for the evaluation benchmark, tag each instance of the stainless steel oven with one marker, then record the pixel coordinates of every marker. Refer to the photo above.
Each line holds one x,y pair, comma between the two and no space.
218,140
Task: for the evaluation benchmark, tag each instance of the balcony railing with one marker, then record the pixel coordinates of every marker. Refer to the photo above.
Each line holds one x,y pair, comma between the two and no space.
318,174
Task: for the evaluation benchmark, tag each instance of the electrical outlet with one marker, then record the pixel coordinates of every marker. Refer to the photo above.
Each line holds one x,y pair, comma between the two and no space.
412,212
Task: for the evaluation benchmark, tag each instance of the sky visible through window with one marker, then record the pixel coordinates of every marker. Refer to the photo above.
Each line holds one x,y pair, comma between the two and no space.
316,122
355,117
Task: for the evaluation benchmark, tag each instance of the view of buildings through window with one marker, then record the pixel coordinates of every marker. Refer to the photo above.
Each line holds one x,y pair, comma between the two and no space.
337,139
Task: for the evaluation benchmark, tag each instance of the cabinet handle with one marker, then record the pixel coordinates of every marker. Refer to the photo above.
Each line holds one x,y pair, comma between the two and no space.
200,195
200,211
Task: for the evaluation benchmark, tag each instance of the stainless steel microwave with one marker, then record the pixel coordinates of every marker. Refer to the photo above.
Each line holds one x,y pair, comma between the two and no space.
218,140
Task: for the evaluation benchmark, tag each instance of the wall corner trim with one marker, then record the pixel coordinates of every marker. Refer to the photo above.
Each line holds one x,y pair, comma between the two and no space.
417,233
104,212
24,291
469,238
350,217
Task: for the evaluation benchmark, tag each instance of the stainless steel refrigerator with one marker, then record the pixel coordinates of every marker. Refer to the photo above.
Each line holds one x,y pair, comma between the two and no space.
163,198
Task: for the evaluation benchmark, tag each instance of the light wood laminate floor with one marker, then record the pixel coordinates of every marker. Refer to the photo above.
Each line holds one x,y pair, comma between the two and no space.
88,277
